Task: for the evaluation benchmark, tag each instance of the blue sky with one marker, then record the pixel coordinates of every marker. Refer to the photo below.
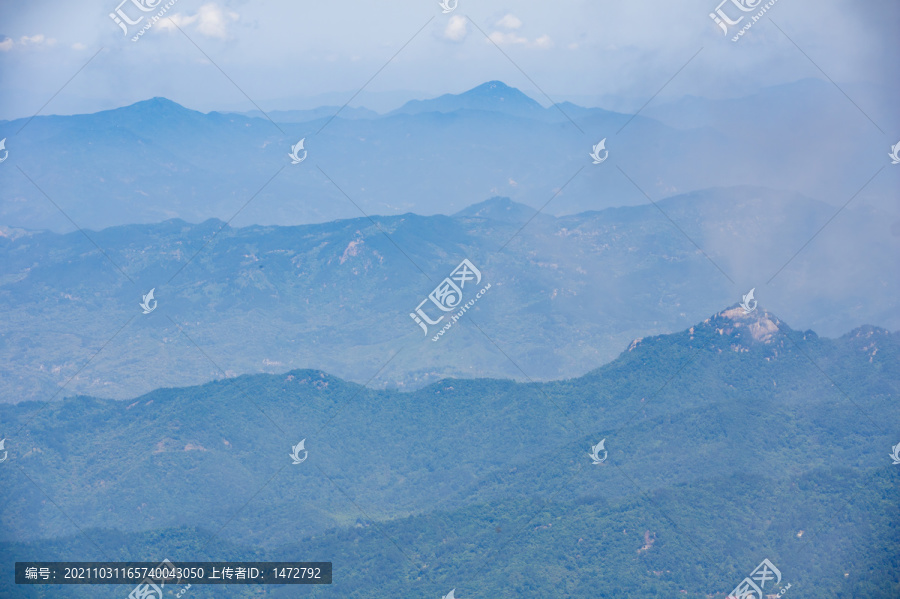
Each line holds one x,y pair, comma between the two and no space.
299,53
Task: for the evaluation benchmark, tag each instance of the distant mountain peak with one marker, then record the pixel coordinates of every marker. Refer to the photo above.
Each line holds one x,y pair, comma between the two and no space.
154,107
492,96
760,324
732,328
157,102
493,87
500,92
499,208
160,100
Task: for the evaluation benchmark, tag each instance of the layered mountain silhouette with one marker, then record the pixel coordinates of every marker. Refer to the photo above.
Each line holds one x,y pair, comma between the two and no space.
493,96
155,159
567,294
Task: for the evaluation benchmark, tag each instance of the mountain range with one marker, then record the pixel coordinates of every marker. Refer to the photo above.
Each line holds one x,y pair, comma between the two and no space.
734,440
567,294
156,160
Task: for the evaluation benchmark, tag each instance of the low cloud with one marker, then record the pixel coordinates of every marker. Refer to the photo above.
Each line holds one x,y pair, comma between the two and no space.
36,40
509,39
210,21
456,29
543,42
509,22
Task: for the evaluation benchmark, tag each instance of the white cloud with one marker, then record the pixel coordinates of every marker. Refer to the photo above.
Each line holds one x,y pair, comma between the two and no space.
214,22
78,46
456,28
543,42
510,21
174,21
505,39
36,40
210,20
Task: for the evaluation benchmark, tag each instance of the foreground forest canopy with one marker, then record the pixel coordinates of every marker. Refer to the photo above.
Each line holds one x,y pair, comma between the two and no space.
486,486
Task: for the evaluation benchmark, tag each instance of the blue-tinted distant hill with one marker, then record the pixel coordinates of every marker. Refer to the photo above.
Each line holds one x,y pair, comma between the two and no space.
568,293
155,159
496,96
493,96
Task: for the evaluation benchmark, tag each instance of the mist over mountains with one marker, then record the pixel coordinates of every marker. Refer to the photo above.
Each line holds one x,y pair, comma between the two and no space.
282,306
460,300
567,294
156,160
